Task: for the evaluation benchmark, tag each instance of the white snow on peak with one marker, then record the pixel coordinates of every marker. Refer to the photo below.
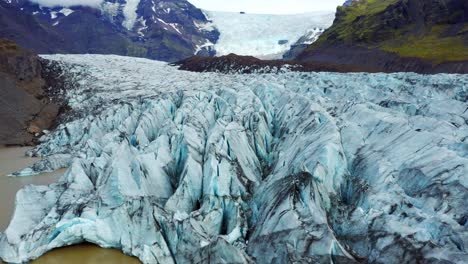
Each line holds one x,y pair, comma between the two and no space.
66,11
53,15
261,35
130,14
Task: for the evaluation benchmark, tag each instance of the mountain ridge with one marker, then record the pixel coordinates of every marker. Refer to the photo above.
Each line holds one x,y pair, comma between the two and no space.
397,35
167,30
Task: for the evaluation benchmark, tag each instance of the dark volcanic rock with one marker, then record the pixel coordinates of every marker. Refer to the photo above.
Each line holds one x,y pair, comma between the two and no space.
25,108
233,63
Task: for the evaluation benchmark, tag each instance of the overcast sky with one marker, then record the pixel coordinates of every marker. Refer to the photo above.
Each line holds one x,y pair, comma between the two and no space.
268,6
250,6
51,3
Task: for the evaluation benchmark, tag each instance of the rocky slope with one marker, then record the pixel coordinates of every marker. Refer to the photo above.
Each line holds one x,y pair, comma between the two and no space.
397,35
166,30
183,167
25,107
233,63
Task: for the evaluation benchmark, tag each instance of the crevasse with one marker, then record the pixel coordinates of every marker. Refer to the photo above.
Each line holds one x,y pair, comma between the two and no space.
180,167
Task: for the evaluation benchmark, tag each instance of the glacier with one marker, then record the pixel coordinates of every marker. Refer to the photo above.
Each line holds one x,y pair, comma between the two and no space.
180,167
266,36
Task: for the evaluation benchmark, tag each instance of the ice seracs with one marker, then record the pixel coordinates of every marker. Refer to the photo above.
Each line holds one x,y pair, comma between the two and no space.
184,167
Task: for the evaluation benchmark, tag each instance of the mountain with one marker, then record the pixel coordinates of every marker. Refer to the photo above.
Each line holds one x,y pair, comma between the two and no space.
397,35
25,107
167,30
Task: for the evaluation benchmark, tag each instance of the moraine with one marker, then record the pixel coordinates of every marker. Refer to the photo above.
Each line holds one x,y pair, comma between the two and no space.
172,166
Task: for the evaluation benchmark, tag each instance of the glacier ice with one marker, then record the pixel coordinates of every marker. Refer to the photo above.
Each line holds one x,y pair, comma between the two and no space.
181,167
265,36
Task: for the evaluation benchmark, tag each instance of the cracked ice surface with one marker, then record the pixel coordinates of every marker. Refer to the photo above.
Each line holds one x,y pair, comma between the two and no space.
173,166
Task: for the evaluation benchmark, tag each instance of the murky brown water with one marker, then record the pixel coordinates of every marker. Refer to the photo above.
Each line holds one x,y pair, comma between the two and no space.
13,159
84,254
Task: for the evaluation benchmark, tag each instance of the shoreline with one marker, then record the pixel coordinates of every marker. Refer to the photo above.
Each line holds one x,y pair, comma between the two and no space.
12,158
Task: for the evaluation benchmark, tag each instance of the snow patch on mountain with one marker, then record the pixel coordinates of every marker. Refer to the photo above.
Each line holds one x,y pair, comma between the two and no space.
130,13
311,36
264,36
66,11
110,9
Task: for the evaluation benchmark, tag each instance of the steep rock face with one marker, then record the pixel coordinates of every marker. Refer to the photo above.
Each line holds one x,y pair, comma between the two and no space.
166,30
268,168
25,107
398,35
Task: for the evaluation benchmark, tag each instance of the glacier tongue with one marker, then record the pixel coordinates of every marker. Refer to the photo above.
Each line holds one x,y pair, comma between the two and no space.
266,36
173,166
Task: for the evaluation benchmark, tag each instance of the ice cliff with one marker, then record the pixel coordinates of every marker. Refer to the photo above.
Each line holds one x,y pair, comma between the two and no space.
181,167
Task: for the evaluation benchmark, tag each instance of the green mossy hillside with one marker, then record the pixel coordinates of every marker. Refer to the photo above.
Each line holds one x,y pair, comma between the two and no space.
434,30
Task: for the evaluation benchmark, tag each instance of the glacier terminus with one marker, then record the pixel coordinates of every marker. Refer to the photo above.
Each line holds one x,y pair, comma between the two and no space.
181,167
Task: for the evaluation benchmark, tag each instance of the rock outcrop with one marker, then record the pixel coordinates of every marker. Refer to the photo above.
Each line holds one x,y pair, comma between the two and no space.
233,63
25,107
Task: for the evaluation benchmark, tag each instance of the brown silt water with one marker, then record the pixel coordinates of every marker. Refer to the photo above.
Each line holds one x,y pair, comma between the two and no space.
13,159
